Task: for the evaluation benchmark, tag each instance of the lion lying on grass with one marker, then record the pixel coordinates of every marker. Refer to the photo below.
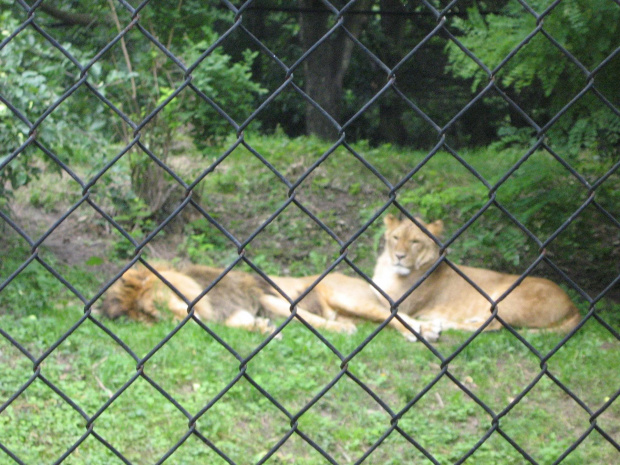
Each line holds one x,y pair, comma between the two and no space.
447,298
239,298
140,295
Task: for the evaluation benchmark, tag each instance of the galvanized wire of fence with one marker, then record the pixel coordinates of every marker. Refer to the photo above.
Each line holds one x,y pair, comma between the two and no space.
30,14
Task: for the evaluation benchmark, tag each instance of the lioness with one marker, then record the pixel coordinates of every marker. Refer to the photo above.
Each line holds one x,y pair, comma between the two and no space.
447,297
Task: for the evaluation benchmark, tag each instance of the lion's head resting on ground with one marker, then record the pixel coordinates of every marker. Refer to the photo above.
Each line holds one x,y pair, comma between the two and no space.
408,247
140,295
133,296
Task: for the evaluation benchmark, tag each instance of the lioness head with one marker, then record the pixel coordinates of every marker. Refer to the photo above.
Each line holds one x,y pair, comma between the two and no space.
408,247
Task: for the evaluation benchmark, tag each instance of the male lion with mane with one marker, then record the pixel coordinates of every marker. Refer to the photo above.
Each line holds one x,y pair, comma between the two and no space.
236,300
140,295
447,298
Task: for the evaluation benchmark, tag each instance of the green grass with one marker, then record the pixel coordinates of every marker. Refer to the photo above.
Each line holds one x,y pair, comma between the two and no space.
36,310
194,368
39,426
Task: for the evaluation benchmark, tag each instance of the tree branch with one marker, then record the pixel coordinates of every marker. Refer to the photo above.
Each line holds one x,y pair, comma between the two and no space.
125,52
74,19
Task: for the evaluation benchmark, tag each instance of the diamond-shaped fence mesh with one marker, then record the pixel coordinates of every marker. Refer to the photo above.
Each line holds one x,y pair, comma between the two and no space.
386,426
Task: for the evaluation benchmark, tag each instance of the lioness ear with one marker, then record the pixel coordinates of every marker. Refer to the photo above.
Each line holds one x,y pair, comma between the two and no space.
436,227
391,221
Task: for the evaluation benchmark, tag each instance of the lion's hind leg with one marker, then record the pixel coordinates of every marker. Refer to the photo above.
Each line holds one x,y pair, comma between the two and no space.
245,320
279,306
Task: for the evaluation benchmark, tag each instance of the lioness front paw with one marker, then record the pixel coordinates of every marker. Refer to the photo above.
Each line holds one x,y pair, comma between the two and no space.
345,327
413,324
431,330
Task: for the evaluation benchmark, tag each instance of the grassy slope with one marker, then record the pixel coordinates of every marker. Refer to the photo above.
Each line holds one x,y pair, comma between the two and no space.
192,367
39,426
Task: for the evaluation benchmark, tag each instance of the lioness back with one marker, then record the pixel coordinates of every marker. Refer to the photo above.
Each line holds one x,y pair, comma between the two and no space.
409,253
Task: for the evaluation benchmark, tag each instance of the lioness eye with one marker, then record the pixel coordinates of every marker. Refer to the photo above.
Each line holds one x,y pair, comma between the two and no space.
395,238
414,241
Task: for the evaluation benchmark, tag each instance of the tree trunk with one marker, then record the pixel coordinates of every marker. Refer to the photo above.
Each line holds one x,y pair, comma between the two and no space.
324,69
391,107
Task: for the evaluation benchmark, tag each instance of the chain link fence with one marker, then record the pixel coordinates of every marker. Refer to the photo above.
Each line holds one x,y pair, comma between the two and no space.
83,81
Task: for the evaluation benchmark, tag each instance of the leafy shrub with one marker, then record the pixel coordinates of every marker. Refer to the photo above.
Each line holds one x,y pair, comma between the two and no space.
540,73
228,83
33,76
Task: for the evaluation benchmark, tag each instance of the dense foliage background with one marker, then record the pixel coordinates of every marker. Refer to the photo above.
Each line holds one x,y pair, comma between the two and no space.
236,75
